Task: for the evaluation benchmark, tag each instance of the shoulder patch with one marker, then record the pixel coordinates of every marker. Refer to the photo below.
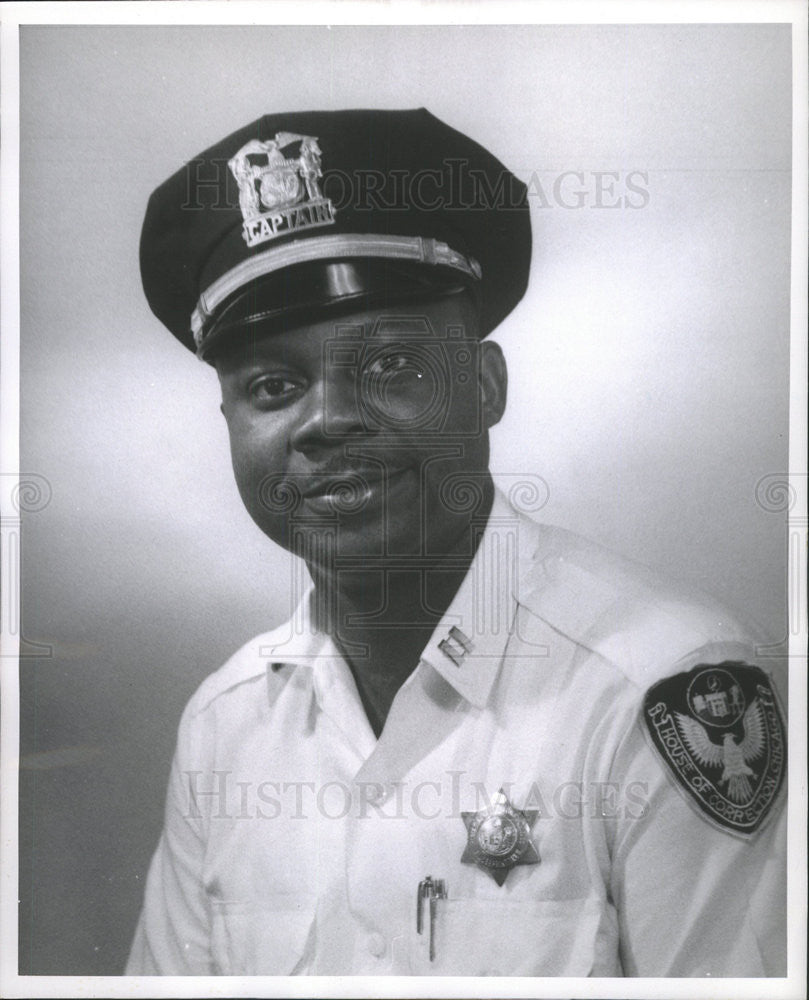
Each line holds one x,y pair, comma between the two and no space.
719,730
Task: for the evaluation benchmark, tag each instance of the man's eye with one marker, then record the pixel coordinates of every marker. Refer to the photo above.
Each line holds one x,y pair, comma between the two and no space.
273,388
395,364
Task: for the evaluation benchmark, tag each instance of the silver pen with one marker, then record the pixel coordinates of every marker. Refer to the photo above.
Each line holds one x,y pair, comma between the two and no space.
432,890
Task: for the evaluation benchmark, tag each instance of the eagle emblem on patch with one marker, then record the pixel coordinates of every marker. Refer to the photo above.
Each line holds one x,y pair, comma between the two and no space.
720,731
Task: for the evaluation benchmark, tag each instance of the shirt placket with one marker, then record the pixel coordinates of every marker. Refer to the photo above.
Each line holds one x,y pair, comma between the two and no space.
389,844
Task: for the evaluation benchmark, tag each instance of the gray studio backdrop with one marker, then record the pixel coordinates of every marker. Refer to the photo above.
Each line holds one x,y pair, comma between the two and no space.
649,369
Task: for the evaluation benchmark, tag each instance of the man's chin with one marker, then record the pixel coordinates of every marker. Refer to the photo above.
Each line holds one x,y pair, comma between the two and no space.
351,536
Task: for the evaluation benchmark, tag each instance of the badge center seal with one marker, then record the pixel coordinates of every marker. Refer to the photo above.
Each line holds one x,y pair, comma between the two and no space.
499,838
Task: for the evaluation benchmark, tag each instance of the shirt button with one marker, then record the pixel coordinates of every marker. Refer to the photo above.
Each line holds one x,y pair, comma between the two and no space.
376,945
376,795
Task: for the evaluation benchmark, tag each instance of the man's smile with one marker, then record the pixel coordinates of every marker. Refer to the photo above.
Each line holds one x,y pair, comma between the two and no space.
348,490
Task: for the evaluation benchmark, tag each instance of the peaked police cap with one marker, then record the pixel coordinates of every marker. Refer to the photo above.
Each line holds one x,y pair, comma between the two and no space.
299,215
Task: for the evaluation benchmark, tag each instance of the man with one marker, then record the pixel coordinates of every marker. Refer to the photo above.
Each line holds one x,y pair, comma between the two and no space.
480,746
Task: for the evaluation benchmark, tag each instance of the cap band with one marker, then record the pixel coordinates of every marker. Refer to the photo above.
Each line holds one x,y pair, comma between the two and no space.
420,249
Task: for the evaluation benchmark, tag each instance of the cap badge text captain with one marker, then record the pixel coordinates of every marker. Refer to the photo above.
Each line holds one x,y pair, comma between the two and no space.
279,193
499,838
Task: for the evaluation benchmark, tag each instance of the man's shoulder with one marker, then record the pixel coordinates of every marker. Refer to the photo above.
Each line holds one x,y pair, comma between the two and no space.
249,665
631,616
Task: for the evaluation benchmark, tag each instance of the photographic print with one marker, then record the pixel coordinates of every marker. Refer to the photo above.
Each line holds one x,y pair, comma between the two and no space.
406,508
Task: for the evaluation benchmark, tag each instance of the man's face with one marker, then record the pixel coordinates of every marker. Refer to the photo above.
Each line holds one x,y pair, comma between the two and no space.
364,429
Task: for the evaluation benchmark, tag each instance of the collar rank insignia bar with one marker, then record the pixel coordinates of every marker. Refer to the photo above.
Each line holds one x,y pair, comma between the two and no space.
456,646
499,838
719,730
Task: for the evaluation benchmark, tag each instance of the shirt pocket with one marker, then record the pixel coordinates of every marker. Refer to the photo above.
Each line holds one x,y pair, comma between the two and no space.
518,937
266,937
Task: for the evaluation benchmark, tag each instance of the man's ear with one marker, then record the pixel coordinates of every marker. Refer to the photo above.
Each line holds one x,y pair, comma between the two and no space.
493,382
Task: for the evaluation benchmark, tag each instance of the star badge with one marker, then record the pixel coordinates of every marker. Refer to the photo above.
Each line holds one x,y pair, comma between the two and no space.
499,838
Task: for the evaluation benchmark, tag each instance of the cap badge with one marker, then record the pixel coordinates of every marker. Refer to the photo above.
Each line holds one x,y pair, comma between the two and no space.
499,838
279,192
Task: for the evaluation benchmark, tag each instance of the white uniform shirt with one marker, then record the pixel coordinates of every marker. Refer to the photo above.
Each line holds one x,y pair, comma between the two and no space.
295,841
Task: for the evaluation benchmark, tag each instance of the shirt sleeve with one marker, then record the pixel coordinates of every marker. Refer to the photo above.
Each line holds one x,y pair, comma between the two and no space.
172,937
693,899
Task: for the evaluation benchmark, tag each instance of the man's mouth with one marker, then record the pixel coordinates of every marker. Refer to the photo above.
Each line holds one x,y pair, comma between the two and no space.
348,490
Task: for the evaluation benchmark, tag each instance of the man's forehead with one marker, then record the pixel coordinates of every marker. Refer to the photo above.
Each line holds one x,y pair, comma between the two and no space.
453,318
425,318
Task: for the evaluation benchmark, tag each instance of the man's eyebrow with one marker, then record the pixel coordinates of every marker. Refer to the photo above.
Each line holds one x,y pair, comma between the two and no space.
245,367
407,327
269,350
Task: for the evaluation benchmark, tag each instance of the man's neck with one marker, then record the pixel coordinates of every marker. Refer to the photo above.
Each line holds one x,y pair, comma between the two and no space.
382,619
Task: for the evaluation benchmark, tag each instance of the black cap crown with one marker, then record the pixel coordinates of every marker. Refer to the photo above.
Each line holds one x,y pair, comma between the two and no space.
297,213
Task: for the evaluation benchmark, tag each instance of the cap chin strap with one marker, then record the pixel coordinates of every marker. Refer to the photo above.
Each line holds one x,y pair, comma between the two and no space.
416,249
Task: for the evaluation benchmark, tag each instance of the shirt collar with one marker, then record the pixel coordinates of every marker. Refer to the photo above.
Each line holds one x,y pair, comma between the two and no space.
468,645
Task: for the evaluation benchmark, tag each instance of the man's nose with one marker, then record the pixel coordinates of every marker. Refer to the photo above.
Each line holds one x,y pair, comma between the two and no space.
332,412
